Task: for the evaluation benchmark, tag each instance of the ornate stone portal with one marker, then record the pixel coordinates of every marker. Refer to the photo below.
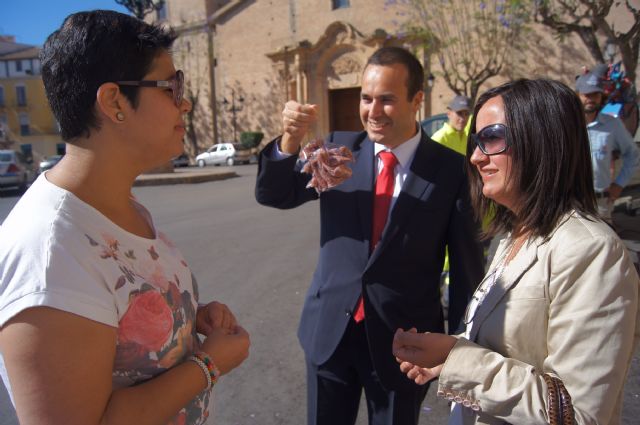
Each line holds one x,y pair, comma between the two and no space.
335,62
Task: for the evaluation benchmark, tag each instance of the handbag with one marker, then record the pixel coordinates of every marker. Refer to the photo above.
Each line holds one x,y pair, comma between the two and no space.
560,407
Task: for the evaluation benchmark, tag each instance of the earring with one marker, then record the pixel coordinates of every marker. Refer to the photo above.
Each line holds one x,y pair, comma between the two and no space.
120,116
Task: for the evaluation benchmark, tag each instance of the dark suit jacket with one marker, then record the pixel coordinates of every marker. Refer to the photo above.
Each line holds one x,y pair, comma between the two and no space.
400,279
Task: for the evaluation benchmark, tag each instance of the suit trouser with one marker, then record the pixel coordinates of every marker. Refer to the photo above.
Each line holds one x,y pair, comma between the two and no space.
335,387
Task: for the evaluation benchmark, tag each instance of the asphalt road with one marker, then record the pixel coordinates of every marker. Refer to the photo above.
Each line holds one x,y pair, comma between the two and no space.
259,261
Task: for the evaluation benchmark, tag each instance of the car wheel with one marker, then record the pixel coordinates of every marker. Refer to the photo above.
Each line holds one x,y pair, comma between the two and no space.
201,163
230,161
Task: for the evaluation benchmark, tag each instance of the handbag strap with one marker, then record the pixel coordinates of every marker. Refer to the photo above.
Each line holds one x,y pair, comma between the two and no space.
560,407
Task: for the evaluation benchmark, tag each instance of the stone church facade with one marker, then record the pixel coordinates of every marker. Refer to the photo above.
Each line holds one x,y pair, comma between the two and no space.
244,58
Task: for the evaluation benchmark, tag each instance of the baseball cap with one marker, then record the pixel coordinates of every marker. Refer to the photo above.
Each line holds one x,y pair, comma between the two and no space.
588,83
460,103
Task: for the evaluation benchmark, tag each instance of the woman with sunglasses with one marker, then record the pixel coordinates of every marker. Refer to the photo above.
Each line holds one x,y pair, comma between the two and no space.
550,331
99,311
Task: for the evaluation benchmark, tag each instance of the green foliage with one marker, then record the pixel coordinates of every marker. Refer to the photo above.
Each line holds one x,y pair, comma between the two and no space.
250,139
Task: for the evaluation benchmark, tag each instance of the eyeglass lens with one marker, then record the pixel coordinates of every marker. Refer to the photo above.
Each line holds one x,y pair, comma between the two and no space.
492,139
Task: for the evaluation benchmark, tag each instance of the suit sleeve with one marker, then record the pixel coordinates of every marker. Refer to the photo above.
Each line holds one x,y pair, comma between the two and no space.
279,183
593,315
466,267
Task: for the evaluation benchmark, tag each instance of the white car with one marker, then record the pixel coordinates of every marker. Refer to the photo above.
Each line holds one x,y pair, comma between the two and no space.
224,153
15,170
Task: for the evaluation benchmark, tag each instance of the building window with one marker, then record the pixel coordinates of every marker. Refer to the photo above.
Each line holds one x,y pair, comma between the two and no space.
18,66
161,14
24,124
21,95
1,96
4,127
339,4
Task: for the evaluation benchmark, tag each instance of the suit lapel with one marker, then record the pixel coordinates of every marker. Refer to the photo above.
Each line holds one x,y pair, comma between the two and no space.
363,169
421,175
510,276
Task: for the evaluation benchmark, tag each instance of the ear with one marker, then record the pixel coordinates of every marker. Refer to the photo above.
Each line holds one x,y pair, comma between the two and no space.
111,103
417,100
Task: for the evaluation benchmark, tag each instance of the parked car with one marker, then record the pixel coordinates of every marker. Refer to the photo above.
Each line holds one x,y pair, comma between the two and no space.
181,161
16,171
433,123
224,153
49,162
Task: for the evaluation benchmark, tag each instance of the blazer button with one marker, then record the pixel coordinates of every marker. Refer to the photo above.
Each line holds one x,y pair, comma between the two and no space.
347,312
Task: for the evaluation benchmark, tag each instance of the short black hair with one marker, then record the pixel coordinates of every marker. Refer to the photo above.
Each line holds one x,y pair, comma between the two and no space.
551,157
90,49
386,56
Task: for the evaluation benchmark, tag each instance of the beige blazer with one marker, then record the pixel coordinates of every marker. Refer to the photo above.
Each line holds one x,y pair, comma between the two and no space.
567,306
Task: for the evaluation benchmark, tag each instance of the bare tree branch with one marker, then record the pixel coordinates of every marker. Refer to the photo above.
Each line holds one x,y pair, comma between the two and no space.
587,19
141,8
470,38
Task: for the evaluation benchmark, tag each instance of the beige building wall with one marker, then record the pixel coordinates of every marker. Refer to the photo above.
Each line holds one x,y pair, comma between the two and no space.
267,51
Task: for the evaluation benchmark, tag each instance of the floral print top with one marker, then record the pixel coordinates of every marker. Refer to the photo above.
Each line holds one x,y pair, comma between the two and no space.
64,254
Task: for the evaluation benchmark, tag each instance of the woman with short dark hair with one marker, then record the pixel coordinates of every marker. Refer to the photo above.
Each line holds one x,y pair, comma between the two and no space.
550,331
99,311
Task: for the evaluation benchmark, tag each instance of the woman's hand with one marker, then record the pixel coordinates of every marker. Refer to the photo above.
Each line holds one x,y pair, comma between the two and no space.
427,350
213,316
227,347
420,375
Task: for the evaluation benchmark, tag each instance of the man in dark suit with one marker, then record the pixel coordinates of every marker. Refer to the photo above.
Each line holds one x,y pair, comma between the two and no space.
372,277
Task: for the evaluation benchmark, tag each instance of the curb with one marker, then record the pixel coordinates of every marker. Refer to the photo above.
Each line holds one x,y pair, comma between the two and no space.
181,178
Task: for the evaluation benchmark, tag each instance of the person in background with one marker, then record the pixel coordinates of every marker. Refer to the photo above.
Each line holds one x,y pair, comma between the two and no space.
382,242
455,131
99,311
551,330
607,135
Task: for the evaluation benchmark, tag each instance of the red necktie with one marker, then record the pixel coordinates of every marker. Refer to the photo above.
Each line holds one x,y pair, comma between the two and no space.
381,202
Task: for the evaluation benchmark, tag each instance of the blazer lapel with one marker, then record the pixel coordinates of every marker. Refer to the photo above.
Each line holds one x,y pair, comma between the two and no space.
363,171
510,276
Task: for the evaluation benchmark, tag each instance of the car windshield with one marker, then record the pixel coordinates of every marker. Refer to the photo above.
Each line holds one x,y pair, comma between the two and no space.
6,157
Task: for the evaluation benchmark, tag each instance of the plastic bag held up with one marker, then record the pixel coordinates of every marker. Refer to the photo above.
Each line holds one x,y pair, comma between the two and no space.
327,164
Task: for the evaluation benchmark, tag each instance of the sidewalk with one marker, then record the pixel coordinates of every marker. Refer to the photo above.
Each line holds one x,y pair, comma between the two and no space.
185,175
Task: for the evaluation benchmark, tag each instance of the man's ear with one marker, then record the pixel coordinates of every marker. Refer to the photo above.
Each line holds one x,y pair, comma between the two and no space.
111,103
417,100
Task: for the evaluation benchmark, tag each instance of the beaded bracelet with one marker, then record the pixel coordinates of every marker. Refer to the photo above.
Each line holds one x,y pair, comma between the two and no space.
205,370
211,370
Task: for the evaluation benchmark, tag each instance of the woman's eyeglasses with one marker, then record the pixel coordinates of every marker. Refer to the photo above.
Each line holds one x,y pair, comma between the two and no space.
176,84
492,139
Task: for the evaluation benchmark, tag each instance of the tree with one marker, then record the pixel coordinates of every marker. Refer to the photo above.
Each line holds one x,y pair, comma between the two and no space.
141,8
470,38
588,19
190,119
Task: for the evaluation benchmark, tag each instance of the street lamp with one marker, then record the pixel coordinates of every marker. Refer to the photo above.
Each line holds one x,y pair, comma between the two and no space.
233,108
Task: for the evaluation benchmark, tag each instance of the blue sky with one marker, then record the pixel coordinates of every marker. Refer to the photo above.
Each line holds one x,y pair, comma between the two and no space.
31,21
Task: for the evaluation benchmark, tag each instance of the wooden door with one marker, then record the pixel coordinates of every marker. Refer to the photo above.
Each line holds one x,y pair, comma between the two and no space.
344,110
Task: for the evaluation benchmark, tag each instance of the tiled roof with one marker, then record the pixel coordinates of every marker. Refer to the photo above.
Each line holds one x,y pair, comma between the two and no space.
9,50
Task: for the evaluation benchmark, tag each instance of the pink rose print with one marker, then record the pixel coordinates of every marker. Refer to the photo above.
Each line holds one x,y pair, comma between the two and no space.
147,322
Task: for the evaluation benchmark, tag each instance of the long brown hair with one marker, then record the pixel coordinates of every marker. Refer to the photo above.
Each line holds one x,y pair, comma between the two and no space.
551,159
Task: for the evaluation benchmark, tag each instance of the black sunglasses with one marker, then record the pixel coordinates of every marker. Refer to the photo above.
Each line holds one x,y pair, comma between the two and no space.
492,139
176,84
